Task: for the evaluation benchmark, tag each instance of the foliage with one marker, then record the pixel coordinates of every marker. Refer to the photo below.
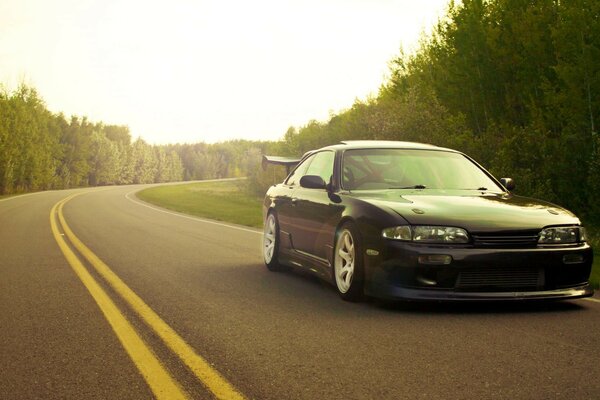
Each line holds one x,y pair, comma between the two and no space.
514,84
26,130
40,150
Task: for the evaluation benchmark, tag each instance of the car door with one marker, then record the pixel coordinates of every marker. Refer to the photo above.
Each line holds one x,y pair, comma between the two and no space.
315,214
286,204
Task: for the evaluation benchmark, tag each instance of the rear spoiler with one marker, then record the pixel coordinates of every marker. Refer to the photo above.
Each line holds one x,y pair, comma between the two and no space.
287,161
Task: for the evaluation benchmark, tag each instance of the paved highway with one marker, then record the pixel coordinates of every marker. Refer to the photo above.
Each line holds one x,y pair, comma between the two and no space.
103,296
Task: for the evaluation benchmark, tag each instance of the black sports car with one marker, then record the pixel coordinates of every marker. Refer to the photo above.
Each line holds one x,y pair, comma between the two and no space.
415,221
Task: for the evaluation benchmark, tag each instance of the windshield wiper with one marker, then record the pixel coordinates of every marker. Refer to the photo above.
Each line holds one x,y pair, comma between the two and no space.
411,187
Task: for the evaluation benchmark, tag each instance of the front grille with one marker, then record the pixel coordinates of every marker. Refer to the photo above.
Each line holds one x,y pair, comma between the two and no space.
511,278
506,240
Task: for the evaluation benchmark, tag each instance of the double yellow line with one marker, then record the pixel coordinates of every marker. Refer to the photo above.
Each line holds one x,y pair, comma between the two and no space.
162,384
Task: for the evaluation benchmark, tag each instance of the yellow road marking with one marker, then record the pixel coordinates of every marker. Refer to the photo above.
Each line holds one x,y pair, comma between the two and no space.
161,383
212,379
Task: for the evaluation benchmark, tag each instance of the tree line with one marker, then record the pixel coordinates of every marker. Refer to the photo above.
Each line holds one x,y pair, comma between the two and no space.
515,84
40,150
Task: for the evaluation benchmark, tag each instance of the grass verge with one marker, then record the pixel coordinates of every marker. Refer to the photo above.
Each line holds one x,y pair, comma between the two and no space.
594,239
222,201
595,276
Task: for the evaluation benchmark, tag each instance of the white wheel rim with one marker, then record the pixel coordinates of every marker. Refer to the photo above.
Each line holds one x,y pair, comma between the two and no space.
344,261
269,238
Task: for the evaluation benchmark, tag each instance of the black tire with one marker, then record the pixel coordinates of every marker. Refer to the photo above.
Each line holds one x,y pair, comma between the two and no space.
348,259
270,245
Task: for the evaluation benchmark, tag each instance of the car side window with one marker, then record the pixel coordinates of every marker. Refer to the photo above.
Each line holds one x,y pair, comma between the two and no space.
294,178
322,165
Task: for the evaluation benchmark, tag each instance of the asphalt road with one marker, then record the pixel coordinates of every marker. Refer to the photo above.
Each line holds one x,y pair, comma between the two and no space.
269,335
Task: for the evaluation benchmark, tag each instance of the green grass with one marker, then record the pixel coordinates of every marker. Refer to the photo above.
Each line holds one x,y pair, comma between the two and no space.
595,276
222,201
594,239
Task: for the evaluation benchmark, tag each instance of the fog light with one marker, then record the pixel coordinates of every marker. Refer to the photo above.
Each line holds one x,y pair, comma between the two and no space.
435,259
573,259
426,281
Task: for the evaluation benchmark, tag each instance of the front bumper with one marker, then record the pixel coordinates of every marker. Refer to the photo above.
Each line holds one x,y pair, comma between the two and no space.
479,274
397,292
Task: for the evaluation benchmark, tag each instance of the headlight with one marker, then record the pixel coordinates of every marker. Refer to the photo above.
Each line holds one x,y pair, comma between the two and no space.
562,235
427,234
398,233
440,234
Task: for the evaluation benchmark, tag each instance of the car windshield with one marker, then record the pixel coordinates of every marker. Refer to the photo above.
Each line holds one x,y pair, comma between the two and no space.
368,169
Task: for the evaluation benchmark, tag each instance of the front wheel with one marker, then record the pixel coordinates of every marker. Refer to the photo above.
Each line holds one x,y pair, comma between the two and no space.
271,243
348,264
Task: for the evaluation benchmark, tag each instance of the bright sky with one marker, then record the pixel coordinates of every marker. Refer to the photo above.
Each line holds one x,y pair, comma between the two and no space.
206,70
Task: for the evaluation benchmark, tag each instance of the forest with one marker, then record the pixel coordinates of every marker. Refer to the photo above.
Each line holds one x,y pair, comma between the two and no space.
40,150
513,83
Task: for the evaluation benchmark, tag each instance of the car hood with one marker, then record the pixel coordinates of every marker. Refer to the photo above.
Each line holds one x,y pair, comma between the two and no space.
481,212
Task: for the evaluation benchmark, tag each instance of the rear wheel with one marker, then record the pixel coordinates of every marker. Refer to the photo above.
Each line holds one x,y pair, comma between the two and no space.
271,243
348,264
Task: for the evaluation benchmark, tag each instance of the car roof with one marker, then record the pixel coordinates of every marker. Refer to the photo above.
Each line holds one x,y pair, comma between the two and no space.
383,144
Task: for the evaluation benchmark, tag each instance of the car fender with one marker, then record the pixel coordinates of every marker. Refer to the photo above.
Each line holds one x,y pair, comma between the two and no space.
370,220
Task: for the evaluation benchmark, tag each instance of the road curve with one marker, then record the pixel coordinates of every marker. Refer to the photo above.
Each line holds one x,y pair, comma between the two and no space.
270,335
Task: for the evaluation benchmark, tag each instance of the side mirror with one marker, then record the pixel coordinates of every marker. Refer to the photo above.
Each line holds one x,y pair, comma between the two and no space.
508,183
312,182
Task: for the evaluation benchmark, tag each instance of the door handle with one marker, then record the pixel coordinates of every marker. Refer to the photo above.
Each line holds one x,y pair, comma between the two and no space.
294,201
